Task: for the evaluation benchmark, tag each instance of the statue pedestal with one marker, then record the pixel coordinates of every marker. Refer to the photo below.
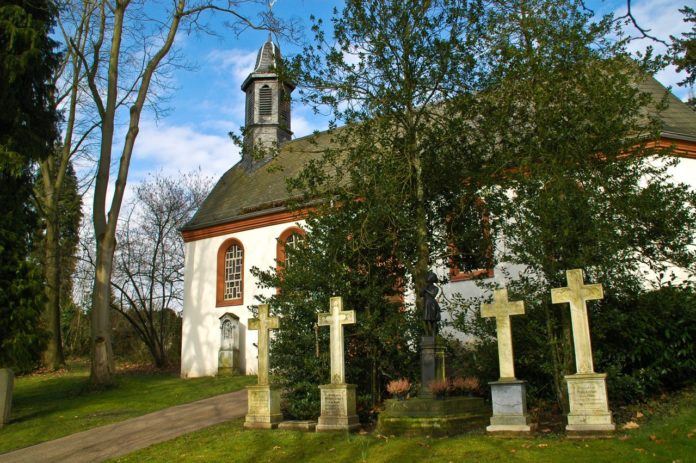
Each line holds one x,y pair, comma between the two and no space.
263,410
338,408
509,401
432,364
589,406
6,387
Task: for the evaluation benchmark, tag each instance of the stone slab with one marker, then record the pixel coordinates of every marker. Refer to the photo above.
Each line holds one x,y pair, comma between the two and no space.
421,416
263,407
6,388
296,425
589,406
228,361
338,409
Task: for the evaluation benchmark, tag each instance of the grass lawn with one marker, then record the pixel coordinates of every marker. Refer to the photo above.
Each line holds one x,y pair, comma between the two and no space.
51,405
667,433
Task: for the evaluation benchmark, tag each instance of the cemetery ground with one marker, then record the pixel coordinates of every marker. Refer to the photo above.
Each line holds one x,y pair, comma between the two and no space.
51,405
666,433
47,406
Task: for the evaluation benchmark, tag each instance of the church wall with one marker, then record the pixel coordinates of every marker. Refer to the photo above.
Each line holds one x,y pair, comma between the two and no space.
201,318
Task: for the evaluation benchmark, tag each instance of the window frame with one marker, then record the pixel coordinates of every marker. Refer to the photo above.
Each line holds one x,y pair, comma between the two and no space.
456,273
280,244
220,289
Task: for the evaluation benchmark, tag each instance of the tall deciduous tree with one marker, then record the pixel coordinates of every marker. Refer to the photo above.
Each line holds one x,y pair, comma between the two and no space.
148,276
27,134
111,47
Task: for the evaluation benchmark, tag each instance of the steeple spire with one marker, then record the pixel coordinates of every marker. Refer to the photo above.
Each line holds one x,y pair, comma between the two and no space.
267,107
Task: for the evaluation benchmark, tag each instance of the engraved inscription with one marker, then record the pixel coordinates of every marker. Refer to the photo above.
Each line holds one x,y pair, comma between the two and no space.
587,396
332,404
258,403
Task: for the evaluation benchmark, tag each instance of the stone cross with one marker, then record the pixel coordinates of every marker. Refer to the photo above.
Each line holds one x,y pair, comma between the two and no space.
264,324
577,293
336,318
502,309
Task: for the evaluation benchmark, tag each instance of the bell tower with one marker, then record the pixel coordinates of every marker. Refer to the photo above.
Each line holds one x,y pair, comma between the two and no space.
267,118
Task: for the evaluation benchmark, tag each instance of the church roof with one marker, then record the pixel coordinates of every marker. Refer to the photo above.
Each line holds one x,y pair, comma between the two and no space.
242,194
679,121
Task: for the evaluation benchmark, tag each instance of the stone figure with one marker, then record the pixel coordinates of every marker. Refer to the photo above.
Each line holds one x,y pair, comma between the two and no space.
431,309
230,336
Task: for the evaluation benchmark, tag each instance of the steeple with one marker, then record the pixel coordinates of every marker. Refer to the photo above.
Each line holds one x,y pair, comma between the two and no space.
267,119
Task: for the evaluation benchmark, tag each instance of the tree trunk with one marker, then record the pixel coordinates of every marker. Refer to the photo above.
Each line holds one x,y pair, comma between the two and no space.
53,355
102,352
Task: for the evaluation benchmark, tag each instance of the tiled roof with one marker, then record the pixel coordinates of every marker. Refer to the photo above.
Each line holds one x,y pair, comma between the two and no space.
243,194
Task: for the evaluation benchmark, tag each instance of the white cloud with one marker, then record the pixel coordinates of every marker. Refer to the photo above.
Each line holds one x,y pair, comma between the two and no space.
182,148
240,62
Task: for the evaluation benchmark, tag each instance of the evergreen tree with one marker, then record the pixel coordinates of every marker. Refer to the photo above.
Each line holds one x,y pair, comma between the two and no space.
584,188
27,133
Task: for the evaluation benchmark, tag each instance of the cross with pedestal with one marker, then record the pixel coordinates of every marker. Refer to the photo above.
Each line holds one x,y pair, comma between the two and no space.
502,309
336,318
577,293
264,324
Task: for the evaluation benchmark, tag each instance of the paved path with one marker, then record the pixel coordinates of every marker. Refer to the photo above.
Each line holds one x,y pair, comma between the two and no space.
119,439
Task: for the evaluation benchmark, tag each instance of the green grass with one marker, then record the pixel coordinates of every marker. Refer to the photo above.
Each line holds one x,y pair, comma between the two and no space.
666,434
53,405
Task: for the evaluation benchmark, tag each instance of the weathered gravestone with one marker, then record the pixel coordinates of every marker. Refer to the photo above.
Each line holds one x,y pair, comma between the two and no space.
6,386
263,400
228,357
587,391
338,409
508,394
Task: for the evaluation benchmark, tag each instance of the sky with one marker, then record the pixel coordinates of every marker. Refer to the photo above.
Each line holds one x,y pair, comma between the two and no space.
206,101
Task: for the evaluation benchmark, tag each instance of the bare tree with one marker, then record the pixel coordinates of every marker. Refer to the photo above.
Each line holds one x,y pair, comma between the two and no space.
148,275
138,37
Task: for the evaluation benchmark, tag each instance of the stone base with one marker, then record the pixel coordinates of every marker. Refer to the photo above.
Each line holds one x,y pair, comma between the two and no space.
6,387
228,362
306,426
263,410
589,414
432,364
427,416
509,399
338,408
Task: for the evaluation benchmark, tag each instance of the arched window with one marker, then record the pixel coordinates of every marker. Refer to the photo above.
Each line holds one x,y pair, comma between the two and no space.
290,238
475,253
265,101
230,273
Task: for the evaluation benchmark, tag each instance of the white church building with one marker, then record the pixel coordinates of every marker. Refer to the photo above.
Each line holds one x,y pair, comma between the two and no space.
245,223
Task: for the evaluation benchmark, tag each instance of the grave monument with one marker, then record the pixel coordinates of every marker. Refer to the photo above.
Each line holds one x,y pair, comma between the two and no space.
263,400
228,357
587,391
426,414
338,412
508,394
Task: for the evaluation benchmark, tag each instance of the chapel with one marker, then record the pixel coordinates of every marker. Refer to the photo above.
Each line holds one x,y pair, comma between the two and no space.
245,221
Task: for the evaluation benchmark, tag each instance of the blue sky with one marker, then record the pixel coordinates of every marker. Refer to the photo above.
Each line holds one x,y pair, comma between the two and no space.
206,102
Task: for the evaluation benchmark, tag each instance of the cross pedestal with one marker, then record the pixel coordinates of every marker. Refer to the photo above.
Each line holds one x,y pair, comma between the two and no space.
509,397
263,401
338,409
587,391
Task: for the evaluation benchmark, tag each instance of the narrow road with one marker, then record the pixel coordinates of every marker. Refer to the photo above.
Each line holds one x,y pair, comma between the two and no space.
119,439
